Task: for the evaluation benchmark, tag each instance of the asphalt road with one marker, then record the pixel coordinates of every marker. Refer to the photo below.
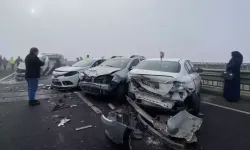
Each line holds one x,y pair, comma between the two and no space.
23,127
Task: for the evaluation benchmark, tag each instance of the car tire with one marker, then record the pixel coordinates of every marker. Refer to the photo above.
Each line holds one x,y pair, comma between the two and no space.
193,103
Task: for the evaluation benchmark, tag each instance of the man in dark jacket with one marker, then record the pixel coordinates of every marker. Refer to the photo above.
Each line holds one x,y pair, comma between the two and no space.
33,66
18,61
232,87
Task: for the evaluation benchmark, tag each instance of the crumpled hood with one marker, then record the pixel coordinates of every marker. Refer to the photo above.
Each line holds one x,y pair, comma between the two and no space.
70,68
100,70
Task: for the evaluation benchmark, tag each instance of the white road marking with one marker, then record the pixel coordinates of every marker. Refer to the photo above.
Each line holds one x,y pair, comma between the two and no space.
96,110
7,76
228,108
84,99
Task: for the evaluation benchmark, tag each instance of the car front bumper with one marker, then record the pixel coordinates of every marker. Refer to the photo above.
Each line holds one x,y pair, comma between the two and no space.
63,82
96,88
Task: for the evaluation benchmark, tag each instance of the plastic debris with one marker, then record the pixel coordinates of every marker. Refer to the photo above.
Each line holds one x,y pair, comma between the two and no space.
137,134
73,106
40,85
111,106
85,127
151,141
63,121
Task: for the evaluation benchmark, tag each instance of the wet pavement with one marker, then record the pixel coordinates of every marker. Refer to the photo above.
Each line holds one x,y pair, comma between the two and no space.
27,128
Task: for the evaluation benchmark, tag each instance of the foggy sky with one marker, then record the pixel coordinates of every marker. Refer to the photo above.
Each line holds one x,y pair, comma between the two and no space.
200,30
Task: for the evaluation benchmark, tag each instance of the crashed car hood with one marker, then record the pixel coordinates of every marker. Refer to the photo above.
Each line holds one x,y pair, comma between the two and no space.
101,70
68,69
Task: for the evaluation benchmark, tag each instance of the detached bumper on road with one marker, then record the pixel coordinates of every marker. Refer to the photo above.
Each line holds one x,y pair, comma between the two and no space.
96,88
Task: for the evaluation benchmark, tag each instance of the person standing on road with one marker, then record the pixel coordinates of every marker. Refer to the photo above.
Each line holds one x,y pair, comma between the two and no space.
12,63
232,87
18,61
5,63
33,65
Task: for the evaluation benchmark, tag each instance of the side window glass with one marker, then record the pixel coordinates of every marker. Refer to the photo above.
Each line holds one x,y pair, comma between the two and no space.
97,63
188,68
134,63
192,66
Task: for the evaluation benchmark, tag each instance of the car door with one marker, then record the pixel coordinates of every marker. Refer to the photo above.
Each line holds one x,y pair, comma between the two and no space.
195,76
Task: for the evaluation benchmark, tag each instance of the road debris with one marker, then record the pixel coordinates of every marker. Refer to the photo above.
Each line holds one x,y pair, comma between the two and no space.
137,134
40,85
111,106
73,105
85,127
63,121
151,141
82,121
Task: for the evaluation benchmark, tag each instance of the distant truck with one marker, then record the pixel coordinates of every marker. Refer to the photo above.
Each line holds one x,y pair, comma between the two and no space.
51,60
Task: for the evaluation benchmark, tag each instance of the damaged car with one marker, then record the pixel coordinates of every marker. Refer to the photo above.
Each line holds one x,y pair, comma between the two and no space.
110,77
164,99
68,77
166,83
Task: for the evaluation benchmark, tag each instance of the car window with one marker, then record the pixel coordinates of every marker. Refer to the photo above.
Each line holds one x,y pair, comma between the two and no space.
97,63
84,63
134,63
188,67
164,66
116,63
192,66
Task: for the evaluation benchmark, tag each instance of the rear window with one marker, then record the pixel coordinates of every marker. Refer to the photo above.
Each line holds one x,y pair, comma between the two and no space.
164,66
116,63
84,63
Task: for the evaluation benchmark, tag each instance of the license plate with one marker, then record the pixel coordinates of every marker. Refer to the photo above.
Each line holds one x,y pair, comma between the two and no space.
55,80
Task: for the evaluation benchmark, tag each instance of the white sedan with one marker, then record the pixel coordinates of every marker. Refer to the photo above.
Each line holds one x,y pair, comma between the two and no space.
166,83
69,76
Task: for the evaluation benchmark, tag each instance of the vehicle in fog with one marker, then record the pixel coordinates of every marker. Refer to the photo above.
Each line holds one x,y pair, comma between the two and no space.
110,77
166,83
69,76
51,61
169,91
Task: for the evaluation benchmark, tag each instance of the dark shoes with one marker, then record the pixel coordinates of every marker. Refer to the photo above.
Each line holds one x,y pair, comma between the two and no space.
34,102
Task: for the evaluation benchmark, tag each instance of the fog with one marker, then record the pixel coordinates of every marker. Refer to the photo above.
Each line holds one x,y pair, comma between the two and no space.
200,30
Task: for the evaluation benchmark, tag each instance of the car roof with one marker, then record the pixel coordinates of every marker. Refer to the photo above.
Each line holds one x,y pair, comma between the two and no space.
165,59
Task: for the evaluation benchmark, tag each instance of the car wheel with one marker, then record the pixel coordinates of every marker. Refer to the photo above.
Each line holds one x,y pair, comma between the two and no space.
193,103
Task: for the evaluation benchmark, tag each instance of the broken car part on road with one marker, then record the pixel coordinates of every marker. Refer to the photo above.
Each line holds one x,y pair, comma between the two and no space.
175,131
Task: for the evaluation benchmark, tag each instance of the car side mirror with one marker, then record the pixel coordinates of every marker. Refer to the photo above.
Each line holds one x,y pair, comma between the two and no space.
199,70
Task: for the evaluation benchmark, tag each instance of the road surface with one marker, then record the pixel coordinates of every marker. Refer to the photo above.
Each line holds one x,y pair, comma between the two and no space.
225,126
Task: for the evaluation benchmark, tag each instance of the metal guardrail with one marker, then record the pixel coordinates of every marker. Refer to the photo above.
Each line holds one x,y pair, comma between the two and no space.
212,78
206,65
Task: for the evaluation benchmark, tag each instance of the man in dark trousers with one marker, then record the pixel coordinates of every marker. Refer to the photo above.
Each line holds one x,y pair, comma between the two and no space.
33,66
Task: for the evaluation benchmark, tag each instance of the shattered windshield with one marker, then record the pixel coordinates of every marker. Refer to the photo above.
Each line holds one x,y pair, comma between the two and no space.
164,66
84,63
116,63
